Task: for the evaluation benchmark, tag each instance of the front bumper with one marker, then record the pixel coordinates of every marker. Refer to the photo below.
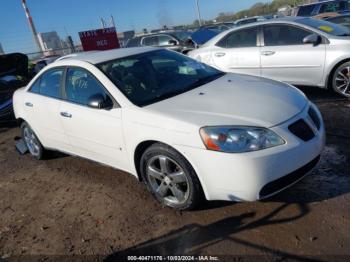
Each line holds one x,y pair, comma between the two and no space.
257,175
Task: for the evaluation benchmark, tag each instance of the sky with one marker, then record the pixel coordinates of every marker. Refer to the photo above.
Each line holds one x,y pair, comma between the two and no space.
68,17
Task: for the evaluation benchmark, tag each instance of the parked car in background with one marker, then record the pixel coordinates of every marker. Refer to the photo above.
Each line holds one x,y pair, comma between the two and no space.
343,20
249,20
323,9
220,26
173,40
13,75
44,61
185,129
296,50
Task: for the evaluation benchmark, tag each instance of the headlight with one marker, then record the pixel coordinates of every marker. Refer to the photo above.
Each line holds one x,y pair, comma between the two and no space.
239,139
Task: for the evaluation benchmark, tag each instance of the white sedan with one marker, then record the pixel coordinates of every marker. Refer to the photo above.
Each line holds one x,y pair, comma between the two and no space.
296,50
188,131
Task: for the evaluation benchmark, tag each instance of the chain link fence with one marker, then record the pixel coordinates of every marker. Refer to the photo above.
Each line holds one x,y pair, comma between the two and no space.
35,56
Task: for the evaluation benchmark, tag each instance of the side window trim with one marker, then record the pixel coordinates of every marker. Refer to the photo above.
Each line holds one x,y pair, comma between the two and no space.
63,68
64,82
291,25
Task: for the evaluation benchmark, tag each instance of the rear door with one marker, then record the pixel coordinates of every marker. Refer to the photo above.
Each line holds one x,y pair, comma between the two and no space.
285,57
238,52
94,133
41,107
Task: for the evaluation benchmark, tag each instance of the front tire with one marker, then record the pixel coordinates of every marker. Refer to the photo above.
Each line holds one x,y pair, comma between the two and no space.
170,178
341,80
32,142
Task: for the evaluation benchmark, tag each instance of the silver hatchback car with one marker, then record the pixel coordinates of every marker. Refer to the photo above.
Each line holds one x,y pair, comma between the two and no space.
297,50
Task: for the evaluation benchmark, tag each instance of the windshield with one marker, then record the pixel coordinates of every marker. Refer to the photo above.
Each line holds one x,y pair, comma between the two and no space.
157,75
327,27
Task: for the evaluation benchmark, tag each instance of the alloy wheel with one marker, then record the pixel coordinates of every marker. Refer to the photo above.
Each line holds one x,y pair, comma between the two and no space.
31,141
168,180
342,81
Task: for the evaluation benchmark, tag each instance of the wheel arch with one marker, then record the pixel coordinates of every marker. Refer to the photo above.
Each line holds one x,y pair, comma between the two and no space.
20,121
331,73
142,147
139,150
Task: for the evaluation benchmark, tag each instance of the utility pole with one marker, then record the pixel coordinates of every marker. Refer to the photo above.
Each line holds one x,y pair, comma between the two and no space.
199,13
112,21
103,23
31,25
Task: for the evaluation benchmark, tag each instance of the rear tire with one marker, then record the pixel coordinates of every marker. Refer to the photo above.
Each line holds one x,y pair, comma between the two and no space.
32,142
170,178
341,80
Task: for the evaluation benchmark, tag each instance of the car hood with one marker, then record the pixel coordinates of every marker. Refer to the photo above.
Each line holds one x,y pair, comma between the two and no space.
235,100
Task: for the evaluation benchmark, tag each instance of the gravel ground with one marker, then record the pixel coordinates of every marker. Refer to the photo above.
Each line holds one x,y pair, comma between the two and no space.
70,206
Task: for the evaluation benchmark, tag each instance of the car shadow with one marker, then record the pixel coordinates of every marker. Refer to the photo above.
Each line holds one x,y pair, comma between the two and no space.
4,126
194,239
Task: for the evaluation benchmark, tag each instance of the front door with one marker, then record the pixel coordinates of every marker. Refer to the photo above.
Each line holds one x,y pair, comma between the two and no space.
285,57
94,133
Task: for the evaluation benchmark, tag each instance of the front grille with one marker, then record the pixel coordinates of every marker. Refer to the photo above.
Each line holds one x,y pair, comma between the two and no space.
313,115
287,180
302,130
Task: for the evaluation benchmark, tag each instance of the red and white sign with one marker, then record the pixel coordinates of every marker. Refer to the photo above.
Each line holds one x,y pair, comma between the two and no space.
100,39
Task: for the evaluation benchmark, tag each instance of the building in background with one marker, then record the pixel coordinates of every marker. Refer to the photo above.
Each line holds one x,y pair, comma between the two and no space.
51,44
1,50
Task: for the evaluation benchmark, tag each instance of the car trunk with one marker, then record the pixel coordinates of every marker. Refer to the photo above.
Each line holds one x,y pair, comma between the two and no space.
13,75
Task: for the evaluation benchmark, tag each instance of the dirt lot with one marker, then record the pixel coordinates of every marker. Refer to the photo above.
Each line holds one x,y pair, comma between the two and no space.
66,206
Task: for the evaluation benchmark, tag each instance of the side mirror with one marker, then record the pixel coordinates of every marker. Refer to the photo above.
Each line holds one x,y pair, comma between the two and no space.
314,39
172,42
99,101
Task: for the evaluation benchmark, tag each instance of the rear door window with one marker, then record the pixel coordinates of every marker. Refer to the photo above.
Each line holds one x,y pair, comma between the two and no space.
241,38
49,84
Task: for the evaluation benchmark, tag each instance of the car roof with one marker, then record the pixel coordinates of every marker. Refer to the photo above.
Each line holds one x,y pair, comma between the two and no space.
96,57
287,19
168,32
249,18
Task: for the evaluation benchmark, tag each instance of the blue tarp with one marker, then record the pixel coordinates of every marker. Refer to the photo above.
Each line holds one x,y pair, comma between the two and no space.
203,35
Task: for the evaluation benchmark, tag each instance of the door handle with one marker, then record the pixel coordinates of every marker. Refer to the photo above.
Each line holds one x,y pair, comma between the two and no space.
29,104
268,53
220,54
65,114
